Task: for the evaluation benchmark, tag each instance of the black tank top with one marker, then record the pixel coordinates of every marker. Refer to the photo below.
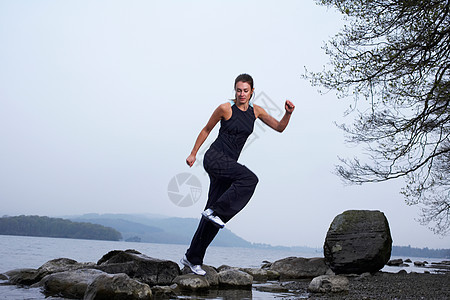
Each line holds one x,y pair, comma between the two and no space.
233,133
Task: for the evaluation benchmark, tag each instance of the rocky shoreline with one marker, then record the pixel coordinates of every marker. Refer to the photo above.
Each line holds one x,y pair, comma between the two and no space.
133,275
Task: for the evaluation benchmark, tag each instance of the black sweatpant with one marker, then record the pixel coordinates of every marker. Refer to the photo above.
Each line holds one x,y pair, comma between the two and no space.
231,187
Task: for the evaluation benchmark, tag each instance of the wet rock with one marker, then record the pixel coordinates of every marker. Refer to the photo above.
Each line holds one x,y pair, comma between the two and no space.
22,276
234,278
191,282
271,288
225,267
3,277
230,294
329,284
32,276
358,241
419,264
441,267
62,265
164,291
299,267
117,286
261,274
212,275
69,284
395,262
151,271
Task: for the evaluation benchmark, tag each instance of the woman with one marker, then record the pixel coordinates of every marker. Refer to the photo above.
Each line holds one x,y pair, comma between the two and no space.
231,184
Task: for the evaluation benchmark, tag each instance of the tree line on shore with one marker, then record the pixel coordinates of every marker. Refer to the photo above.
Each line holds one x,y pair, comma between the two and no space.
56,227
420,252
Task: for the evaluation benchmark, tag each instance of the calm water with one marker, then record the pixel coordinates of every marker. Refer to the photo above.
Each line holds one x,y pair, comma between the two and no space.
32,252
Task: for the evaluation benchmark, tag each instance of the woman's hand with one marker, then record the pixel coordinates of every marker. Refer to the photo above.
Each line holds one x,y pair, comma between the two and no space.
190,160
289,106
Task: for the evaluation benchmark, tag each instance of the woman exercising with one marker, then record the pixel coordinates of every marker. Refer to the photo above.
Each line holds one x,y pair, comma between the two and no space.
231,184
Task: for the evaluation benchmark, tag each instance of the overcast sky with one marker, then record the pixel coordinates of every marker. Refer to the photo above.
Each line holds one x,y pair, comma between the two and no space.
101,102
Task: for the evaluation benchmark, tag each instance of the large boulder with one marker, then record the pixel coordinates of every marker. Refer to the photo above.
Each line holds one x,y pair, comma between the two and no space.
299,267
358,241
151,271
117,286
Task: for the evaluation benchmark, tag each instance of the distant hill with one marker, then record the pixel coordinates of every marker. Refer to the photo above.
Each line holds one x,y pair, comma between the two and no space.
157,229
56,227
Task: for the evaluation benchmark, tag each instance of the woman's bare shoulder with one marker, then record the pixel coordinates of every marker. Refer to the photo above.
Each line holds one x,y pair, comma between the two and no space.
225,110
258,110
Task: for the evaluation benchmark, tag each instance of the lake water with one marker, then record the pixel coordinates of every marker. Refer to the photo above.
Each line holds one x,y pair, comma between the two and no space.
32,252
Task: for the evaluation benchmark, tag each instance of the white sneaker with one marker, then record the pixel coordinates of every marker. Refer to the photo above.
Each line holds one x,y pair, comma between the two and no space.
197,269
209,214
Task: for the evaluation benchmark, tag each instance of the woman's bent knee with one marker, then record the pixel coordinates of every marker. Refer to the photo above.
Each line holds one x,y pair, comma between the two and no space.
253,179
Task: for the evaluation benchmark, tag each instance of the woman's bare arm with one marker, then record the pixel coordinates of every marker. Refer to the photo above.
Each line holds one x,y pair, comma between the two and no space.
271,121
222,111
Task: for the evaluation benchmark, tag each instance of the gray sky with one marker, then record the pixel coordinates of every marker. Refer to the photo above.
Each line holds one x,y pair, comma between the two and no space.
101,102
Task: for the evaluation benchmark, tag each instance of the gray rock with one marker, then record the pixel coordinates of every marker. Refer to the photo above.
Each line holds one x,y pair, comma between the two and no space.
191,282
358,241
271,288
3,277
211,274
62,265
419,264
32,276
261,274
164,291
225,267
395,262
329,284
235,278
151,271
299,267
241,293
69,284
22,276
118,287
363,276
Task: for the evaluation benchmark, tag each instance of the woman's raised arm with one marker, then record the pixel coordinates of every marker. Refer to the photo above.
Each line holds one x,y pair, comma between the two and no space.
271,121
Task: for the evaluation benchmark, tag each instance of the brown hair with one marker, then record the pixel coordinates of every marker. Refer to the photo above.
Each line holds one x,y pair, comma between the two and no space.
244,78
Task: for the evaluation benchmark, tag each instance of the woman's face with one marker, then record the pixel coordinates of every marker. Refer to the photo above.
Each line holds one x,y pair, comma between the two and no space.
243,92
